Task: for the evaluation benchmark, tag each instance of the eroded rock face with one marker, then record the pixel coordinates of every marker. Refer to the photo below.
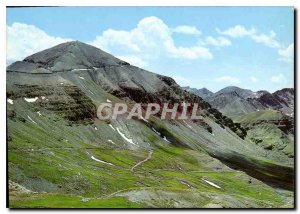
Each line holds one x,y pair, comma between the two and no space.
286,124
271,100
67,101
174,94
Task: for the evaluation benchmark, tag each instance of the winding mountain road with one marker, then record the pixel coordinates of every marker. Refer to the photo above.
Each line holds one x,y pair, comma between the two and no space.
141,162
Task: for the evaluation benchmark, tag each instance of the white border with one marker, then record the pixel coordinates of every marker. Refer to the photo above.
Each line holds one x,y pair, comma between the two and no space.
151,3
5,3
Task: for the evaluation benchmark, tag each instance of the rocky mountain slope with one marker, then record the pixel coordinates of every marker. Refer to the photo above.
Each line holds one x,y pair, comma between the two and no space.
202,92
281,100
61,155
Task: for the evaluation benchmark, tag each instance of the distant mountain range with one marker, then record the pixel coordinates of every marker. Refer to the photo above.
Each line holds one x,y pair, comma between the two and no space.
233,101
267,117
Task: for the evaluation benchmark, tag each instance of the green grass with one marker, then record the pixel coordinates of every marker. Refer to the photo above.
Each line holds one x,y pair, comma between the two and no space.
98,180
264,115
47,200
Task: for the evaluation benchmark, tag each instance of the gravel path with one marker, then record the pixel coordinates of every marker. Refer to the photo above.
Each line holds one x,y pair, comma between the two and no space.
143,161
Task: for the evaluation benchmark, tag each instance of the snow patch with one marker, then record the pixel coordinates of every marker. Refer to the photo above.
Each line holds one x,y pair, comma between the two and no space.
85,199
166,139
10,101
142,118
107,100
39,113
81,77
80,69
125,138
31,100
96,128
43,97
185,183
155,131
61,83
188,125
100,161
112,127
31,119
212,184
111,141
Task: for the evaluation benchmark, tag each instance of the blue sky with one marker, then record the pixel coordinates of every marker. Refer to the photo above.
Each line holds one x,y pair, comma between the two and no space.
212,47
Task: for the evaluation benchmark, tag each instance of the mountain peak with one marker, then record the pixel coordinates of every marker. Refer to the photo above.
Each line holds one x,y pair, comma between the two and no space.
67,56
231,89
203,92
245,93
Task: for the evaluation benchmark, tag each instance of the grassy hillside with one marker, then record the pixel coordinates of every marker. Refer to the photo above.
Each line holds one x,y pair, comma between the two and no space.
261,115
271,130
53,160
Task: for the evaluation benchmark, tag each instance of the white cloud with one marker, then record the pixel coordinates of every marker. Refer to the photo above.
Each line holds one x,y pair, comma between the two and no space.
237,31
186,29
133,60
125,39
240,31
24,40
287,54
267,40
194,52
254,79
228,79
280,78
218,42
150,39
182,81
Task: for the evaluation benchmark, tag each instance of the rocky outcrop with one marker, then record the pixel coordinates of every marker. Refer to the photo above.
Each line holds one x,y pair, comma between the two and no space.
67,101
